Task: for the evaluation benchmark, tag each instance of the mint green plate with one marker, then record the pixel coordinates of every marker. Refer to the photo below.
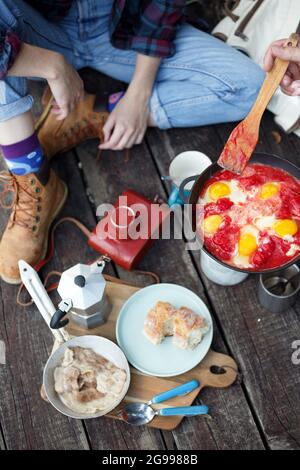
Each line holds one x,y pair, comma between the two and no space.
165,359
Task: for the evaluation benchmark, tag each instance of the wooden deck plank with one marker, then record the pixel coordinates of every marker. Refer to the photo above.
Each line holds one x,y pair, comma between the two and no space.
260,341
109,434
2,441
170,260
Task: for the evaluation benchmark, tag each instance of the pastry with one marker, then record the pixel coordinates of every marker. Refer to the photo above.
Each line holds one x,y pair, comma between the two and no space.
159,322
189,328
186,327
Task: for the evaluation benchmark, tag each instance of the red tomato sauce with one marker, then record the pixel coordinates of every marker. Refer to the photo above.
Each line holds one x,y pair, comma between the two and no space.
272,250
240,145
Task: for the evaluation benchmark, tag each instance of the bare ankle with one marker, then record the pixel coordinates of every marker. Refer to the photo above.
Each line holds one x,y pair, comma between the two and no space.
16,129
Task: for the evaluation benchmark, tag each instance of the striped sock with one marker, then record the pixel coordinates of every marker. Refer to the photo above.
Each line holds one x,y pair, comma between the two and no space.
24,157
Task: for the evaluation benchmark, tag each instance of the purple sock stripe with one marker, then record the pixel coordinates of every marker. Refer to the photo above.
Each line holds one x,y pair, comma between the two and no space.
36,150
21,148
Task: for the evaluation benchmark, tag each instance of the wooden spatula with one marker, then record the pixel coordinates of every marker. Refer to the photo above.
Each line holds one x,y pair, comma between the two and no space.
244,137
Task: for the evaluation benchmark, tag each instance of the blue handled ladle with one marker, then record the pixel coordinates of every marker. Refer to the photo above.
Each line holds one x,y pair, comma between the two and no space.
139,414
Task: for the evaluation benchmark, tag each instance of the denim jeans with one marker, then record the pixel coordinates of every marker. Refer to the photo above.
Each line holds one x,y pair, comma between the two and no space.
204,82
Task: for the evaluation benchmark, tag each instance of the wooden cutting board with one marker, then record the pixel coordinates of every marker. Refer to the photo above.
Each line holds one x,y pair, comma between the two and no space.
142,387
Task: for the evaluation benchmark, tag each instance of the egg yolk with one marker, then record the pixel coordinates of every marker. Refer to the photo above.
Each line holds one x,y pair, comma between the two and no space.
247,244
212,223
269,190
285,227
218,190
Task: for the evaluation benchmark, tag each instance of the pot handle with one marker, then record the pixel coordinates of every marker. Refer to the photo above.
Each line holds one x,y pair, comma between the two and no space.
182,194
57,322
63,308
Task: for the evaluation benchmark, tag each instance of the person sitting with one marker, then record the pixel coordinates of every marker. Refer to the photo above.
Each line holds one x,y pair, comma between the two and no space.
177,76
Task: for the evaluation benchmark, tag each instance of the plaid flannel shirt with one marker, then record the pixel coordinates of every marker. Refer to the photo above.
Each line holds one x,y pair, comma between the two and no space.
146,26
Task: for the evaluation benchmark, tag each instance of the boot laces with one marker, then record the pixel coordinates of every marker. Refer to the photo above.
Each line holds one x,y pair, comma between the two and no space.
23,204
81,130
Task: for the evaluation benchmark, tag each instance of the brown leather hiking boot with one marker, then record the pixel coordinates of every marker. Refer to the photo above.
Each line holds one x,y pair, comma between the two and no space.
80,125
35,205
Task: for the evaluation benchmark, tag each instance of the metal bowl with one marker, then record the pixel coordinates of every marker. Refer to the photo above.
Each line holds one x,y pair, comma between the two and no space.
99,345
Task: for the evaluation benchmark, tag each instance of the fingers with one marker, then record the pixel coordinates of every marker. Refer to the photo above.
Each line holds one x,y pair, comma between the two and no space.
291,54
62,109
140,138
108,128
270,57
291,77
293,89
269,60
133,141
293,71
276,49
114,139
137,139
287,81
122,138
127,141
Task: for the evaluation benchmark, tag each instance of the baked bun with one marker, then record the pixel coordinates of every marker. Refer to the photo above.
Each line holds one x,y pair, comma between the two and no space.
189,328
186,327
159,322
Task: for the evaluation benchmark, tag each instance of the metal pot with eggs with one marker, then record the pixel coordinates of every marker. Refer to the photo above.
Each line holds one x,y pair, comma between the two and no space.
199,183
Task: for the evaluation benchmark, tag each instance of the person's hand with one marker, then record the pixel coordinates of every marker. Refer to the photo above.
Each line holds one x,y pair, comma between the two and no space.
290,84
127,123
67,88
63,80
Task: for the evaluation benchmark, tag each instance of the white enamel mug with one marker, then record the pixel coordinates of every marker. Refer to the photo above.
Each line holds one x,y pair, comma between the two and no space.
183,166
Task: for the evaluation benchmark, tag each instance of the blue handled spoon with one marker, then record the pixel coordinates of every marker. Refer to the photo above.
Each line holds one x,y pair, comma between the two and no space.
139,414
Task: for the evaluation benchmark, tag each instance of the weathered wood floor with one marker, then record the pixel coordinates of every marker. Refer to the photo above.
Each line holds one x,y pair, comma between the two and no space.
261,412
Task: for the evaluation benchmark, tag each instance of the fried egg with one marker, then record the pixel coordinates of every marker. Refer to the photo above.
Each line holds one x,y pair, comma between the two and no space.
212,224
285,228
269,190
248,243
220,189
246,246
